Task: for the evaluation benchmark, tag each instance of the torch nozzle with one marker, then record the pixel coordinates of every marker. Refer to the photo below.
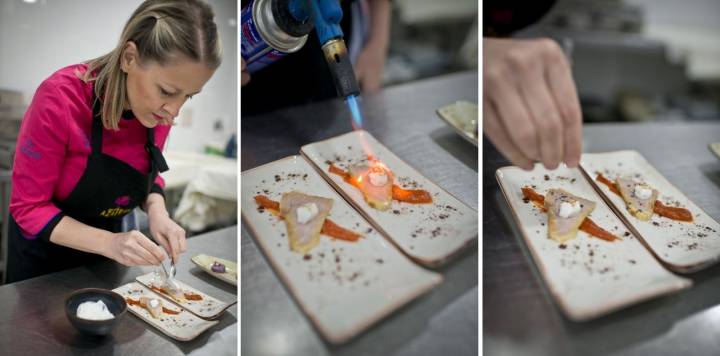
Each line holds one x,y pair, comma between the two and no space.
341,70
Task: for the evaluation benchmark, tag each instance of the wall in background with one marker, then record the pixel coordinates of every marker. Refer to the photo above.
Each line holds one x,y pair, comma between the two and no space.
36,39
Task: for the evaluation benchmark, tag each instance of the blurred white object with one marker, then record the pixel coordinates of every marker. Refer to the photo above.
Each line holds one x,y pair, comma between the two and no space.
469,50
424,11
210,197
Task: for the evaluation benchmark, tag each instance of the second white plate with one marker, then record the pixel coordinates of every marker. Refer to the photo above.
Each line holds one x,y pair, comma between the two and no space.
429,233
683,247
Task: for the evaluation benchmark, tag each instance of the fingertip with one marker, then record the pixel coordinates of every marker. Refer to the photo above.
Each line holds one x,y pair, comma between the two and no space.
551,165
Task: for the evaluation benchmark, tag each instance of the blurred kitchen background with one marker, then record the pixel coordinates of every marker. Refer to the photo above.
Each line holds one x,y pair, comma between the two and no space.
430,38
38,37
640,60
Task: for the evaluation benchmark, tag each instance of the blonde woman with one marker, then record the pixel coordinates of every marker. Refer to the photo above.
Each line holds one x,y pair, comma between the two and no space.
89,152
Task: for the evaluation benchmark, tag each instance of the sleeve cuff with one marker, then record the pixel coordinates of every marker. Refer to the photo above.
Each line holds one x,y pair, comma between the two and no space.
156,188
46,231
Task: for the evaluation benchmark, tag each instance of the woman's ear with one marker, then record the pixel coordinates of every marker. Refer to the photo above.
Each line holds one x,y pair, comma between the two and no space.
129,57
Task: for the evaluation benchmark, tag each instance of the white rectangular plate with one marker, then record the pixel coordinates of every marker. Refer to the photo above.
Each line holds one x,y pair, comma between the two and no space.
184,326
343,287
587,276
463,117
429,233
683,247
207,308
205,263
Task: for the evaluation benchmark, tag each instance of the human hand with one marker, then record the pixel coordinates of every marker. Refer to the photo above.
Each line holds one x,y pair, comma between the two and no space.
132,248
369,68
167,233
245,76
531,110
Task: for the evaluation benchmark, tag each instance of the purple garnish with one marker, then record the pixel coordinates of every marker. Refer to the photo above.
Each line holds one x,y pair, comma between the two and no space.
218,267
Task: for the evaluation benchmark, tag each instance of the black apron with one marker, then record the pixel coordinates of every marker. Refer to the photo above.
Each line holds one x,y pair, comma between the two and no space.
108,190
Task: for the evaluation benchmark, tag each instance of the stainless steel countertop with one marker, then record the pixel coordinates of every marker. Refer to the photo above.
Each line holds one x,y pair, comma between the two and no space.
34,320
519,316
403,118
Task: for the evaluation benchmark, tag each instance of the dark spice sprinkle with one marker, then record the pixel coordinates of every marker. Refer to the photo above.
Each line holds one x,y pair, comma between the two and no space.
328,162
369,230
572,180
379,260
526,200
562,246
337,259
592,253
627,233
632,261
396,212
547,177
277,178
436,232
321,255
656,223
307,257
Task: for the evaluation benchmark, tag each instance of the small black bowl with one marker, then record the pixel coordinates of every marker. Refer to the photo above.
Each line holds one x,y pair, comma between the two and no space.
115,304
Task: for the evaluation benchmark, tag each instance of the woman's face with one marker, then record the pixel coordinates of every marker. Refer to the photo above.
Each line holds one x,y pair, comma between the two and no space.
155,92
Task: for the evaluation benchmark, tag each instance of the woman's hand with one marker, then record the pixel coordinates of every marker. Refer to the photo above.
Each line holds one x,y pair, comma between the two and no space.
134,249
531,110
167,233
369,68
370,63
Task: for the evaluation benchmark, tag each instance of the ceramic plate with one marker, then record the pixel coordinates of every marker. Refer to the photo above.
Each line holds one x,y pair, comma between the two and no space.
587,276
183,326
343,287
463,117
682,246
429,233
206,308
715,148
205,262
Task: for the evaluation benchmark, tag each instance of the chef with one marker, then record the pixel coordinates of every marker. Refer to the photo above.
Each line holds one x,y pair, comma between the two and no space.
89,148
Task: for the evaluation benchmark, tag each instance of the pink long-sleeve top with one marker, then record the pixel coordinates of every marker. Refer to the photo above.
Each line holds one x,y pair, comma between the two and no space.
53,146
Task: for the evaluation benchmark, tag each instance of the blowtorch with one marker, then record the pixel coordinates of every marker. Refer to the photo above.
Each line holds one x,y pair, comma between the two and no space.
272,29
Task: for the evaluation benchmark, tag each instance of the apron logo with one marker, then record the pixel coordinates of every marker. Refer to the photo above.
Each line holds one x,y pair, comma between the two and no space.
114,212
28,148
123,200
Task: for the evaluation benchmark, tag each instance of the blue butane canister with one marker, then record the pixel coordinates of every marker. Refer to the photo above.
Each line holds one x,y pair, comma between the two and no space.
269,32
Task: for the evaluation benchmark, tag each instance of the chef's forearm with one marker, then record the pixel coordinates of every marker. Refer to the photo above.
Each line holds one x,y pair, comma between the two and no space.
71,233
155,204
380,11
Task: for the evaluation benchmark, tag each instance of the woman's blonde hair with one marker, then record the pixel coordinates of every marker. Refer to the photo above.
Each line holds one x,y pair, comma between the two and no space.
161,30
